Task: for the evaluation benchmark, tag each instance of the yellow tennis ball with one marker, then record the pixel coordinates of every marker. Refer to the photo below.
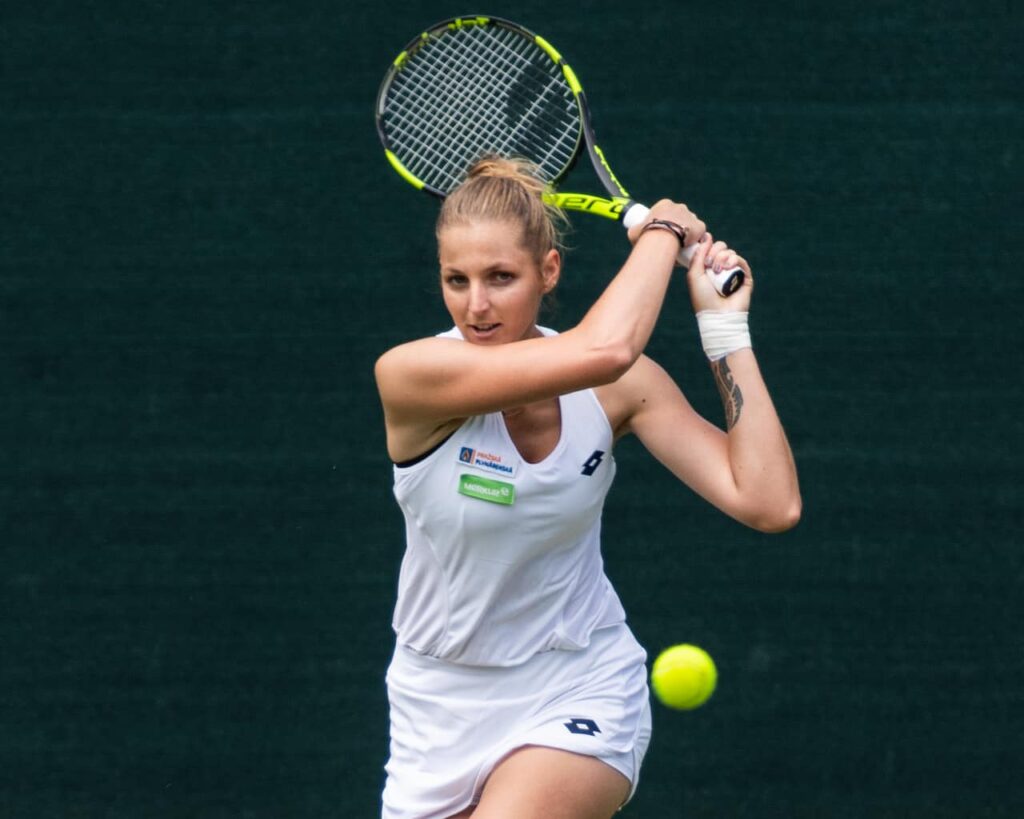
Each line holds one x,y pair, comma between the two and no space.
683,676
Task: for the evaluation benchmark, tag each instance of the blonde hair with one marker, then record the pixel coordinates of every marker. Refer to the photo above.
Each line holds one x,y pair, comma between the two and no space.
506,190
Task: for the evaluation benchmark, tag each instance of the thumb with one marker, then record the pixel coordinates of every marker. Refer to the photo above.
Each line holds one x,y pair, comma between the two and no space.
700,253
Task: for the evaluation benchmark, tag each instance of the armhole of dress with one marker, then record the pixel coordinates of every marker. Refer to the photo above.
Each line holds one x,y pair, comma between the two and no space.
425,455
600,408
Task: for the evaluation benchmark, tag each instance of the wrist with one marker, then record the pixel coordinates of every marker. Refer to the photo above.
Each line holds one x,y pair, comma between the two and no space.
667,226
723,332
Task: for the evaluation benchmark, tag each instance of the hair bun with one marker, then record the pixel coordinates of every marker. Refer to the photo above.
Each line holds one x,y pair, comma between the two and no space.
510,189
501,167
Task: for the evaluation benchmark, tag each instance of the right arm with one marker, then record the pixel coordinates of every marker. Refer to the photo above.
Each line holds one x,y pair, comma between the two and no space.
432,381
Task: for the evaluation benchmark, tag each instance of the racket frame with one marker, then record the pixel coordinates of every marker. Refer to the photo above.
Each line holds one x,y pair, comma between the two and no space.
618,205
610,207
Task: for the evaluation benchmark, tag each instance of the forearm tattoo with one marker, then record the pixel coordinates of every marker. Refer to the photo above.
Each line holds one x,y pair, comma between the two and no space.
732,398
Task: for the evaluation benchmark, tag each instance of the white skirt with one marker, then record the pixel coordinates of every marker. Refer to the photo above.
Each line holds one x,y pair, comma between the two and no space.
452,724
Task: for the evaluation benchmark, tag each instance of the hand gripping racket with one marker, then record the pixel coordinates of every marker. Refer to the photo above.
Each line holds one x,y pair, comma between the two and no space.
472,86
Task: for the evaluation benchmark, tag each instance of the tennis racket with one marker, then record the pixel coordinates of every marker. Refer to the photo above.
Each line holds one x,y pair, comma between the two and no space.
472,86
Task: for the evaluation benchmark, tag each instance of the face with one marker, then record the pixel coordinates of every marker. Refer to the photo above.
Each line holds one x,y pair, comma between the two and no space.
492,285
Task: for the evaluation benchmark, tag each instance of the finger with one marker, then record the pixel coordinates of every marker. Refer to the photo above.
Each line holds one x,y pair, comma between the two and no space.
697,263
715,253
725,261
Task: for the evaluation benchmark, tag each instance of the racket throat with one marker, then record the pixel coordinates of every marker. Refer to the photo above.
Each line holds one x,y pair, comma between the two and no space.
612,208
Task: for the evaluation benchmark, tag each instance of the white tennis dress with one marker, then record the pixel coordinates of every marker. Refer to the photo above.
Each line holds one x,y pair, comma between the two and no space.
508,631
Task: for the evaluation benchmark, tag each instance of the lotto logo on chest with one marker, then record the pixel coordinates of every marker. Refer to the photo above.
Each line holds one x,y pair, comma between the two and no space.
592,463
493,463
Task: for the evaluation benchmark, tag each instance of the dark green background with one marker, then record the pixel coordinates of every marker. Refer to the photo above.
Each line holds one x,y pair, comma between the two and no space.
203,252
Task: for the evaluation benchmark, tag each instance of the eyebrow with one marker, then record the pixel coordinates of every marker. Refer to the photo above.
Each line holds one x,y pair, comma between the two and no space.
503,266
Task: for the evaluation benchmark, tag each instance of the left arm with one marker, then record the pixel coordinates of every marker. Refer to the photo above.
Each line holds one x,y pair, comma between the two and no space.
747,471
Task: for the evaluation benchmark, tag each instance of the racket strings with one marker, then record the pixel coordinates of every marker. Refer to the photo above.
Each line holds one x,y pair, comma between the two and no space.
479,90
527,135
481,100
446,68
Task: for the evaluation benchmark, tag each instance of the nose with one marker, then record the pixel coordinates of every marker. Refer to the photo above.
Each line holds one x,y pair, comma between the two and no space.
479,298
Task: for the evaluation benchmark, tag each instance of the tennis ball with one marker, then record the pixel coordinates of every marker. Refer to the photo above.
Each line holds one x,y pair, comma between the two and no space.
683,676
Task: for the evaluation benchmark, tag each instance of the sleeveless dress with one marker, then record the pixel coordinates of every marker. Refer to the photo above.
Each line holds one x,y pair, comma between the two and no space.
508,632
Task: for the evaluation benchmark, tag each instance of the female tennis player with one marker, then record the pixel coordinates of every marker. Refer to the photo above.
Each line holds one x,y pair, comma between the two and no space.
516,688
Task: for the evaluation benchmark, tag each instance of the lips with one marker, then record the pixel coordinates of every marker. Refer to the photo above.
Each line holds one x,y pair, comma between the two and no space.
484,331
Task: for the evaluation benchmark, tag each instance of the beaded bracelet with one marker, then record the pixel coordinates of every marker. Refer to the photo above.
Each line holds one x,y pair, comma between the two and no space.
663,224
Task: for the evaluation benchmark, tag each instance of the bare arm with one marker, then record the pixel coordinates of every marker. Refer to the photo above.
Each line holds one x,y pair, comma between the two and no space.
428,382
747,471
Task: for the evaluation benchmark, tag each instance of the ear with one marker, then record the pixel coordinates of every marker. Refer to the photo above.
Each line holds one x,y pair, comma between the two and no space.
550,269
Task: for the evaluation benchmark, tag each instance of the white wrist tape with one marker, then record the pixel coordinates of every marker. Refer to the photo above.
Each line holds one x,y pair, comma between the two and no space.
723,332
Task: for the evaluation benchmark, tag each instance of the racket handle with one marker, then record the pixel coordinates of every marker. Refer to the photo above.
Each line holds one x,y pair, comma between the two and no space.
726,282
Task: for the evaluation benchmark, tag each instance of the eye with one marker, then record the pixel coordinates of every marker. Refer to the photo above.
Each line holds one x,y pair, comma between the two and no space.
455,280
504,276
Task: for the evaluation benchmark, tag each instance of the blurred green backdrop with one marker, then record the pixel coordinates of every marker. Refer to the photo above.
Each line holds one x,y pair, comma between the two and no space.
203,251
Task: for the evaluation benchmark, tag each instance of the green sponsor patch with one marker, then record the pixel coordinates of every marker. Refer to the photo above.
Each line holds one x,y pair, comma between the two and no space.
487,489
